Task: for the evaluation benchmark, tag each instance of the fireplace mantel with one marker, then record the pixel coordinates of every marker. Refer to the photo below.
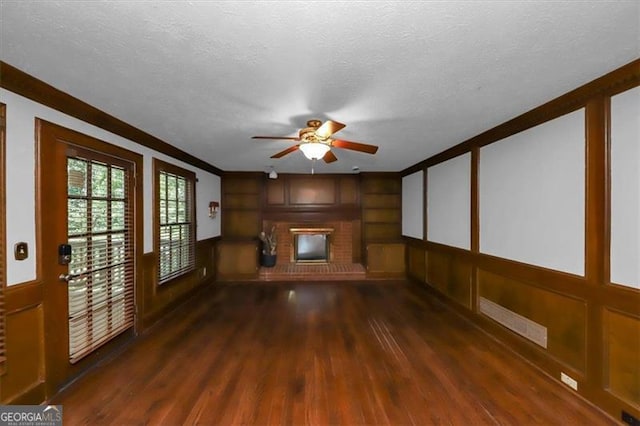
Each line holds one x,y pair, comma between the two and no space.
310,214
313,231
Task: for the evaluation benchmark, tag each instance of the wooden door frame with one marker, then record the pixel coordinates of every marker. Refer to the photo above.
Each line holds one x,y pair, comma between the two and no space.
47,135
3,230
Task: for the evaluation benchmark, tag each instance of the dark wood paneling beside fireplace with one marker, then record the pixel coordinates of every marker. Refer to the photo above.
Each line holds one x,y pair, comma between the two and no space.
369,203
241,209
381,202
311,198
315,200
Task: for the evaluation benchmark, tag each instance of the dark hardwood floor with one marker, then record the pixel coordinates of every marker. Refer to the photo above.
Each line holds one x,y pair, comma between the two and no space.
319,353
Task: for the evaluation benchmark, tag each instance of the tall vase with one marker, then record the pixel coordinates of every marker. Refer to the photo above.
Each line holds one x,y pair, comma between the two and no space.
268,260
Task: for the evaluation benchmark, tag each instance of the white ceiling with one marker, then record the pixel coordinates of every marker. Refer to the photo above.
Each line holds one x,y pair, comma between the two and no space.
412,77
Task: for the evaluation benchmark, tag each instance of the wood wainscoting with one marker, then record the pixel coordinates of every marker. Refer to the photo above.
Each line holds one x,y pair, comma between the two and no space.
158,300
591,325
24,379
605,367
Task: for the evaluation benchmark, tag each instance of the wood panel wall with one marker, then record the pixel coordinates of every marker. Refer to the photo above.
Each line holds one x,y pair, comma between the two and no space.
24,378
241,207
249,200
237,260
381,208
593,326
311,198
23,381
381,195
370,201
156,301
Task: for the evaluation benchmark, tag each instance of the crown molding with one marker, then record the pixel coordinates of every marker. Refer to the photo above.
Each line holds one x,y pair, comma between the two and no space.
23,84
610,84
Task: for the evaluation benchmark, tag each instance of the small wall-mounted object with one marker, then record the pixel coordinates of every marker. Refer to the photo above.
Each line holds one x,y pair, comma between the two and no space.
272,173
214,206
21,251
64,254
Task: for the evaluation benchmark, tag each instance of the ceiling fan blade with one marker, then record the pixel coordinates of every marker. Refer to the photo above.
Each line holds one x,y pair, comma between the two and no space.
329,157
354,146
285,152
328,128
286,138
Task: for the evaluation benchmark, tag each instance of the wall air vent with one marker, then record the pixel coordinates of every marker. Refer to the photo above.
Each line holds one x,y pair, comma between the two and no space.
514,322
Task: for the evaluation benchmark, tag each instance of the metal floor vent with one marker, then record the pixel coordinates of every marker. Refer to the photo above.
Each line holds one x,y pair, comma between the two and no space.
514,322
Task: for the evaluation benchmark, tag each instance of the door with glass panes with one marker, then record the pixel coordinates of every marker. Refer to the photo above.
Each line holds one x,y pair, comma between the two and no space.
87,198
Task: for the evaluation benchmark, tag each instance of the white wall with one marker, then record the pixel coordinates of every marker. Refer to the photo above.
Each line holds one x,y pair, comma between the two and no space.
531,195
412,205
449,202
20,179
625,188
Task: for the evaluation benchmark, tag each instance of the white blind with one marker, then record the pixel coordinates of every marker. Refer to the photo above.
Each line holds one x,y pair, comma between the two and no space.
100,232
176,245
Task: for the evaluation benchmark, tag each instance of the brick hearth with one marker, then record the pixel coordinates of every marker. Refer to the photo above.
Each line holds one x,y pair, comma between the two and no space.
313,272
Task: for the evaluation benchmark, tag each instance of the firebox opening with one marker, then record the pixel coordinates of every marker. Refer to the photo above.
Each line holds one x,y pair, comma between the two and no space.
311,248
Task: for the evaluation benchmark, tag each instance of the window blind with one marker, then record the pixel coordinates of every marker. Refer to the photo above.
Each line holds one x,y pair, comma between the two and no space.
100,231
176,221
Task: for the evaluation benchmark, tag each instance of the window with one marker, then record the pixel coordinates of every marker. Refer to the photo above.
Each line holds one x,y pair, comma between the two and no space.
100,231
3,277
175,219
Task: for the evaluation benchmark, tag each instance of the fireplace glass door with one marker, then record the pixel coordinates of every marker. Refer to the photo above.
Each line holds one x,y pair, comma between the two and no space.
311,248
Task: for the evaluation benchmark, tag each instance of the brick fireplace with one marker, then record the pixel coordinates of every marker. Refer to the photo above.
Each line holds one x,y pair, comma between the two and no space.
340,239
311,245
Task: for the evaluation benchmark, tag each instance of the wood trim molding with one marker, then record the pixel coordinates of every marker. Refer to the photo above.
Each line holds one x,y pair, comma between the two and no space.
311,214
425,193
35,393
30,87
416,242
474,221
596,188
23,296
606,266
3,241
610,84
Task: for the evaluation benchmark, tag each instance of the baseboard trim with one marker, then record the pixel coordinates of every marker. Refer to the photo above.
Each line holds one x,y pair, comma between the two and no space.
34,393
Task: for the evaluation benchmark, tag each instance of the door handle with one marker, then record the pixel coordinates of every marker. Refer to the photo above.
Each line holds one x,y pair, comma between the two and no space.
67,277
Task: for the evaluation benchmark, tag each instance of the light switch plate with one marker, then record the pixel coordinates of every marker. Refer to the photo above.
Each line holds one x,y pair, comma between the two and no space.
21,251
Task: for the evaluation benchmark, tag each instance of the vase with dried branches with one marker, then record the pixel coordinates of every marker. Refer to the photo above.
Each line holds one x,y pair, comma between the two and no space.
269,247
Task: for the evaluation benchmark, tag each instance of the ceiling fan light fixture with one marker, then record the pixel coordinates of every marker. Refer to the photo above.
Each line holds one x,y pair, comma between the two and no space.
314,150
315,142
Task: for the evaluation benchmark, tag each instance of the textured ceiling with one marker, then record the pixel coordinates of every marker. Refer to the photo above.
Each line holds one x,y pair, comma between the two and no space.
412,77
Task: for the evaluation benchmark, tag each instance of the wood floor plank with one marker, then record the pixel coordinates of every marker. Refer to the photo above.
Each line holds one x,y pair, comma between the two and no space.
332,353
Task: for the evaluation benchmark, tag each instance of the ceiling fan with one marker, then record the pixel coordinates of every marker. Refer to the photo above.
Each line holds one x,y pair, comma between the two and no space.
316,142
